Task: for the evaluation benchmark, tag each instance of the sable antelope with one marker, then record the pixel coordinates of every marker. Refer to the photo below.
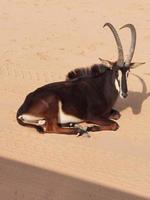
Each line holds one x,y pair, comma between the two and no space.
88,95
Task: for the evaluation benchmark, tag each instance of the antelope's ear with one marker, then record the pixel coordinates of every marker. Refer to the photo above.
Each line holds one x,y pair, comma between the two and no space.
136,64
106,63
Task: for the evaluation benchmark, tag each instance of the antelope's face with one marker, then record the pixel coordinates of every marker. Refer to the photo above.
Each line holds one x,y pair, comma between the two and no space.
121,76
122,66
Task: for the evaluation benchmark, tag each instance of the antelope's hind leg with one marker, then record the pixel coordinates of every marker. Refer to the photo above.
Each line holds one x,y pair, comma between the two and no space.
32,121
44,126
29,119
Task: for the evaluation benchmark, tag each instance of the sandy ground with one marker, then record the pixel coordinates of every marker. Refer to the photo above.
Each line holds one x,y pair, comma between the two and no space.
40,41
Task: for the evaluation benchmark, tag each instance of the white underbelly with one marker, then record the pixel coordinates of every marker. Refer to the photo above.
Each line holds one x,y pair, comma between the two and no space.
65,118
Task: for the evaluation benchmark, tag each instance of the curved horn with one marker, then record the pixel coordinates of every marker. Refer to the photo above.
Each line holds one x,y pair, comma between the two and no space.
120,61
133,43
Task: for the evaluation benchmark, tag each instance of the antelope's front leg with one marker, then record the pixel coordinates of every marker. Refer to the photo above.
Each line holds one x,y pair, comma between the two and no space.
53,127
104,124
82,130
114,114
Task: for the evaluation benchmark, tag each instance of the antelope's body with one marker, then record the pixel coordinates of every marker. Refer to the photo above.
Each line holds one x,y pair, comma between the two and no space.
88,95
80,100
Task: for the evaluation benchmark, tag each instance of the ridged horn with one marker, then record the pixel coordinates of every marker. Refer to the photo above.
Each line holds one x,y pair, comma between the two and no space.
133,43
120,61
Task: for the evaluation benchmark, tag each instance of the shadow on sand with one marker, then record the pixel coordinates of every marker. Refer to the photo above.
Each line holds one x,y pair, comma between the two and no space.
20,181
135,100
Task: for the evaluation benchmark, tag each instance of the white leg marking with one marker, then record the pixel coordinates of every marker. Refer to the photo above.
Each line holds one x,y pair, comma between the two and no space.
65,118
30,119
41,122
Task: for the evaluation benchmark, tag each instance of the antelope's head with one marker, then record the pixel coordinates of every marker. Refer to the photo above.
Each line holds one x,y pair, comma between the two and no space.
121,67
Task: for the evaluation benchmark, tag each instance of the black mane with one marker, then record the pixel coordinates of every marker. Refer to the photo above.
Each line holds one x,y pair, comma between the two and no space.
93,71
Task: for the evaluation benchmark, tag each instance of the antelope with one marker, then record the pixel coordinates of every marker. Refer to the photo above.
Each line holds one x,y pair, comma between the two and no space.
87,95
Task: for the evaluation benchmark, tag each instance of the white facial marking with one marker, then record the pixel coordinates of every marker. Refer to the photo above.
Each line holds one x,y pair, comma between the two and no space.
119,78
30,119
127,73
65,118
117,85
118,81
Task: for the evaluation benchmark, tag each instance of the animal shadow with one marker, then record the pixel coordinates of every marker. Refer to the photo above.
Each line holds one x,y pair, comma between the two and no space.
135,99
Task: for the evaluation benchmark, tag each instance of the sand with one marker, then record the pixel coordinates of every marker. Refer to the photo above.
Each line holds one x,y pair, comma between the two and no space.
40,41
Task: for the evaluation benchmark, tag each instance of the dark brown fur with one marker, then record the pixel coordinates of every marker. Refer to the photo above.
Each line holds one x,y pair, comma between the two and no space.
89,98
89,72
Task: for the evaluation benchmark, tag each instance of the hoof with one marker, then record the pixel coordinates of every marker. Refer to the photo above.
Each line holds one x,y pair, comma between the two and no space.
81,131
115,115
40,129
114,127
83,134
